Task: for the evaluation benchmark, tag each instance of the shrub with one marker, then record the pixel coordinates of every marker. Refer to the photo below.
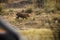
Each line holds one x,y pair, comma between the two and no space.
18,20
38,13
1,10
33,19
10,10
28,10
58,8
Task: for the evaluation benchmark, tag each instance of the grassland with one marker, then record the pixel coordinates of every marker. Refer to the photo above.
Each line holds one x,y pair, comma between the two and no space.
39,26
36,27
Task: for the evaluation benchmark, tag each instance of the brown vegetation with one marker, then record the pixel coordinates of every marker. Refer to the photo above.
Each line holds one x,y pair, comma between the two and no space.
47,17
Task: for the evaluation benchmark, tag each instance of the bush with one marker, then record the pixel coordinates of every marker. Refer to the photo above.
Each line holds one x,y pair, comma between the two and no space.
28,10
10,10
38,13
58,8
0,9
18,20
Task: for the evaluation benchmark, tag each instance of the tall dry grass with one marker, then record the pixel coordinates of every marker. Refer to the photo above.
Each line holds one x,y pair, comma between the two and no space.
37,34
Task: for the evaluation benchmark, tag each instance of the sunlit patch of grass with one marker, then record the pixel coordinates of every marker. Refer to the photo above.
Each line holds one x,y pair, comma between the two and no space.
37,34
58,15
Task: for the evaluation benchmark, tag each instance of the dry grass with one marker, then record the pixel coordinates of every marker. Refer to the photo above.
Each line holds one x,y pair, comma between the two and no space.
34,21
37,34
36,27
